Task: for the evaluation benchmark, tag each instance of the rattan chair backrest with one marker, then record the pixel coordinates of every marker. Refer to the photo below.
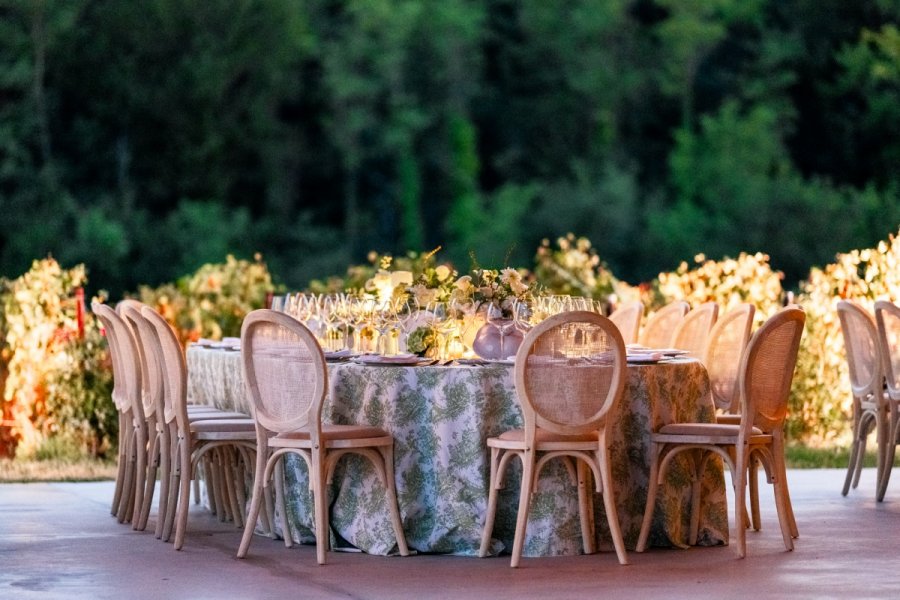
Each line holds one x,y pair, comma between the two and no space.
861,344
570,371
154,386
150,377
119,392
767,370
628,319
692,334
129,359
722,358
887,316
661,325
284,372
170,356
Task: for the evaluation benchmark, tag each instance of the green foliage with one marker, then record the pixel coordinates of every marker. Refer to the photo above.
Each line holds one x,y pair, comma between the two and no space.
59,380
213,301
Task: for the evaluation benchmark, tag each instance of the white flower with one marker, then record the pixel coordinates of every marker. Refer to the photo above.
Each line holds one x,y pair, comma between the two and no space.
510,275
401,278
442,272
464,283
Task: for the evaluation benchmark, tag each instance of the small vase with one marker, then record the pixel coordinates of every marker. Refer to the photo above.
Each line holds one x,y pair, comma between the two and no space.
489,343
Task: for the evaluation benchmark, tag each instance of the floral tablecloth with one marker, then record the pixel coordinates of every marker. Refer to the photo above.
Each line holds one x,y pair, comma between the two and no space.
440,418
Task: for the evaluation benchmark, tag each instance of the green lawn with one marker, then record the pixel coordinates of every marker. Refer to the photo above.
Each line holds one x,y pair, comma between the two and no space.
24,471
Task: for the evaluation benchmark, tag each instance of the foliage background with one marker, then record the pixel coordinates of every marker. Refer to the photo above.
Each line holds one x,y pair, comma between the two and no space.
145,139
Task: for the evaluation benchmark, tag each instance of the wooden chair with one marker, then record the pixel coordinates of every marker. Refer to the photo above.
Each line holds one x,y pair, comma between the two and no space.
192,441
887,316
692,334
120,401
661,325
722,359
286,377
866,384
131,478
628,319
764,382
565,403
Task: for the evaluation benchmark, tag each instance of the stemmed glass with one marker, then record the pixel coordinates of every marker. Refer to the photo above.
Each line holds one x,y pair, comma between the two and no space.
441,326
464,311
386,322
504,325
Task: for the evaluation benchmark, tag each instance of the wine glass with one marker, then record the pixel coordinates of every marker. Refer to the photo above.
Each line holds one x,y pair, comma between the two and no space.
497,318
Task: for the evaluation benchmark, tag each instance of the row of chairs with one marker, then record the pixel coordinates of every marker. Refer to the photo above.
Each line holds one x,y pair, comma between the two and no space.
720,343
161,435
674,325
564,417
872,343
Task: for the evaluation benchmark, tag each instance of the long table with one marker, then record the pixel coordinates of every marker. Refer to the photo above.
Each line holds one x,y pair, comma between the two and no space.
440,417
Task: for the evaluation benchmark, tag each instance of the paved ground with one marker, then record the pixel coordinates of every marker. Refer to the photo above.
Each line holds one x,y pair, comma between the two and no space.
59,541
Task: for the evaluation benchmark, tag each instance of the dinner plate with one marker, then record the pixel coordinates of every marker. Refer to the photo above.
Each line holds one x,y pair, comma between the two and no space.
470,361
499,361
671,351
400,359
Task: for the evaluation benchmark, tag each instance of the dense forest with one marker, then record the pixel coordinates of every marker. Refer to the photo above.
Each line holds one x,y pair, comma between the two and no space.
145,138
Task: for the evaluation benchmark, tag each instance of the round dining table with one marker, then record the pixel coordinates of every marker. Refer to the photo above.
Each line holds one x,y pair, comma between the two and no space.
440,418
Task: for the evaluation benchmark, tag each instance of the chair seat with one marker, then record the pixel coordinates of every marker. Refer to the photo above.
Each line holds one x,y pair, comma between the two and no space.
710,429
224,425
217,415
330,433
706,433
545,440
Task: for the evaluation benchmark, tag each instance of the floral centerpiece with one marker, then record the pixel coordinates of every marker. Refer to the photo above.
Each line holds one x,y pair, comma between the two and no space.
486,287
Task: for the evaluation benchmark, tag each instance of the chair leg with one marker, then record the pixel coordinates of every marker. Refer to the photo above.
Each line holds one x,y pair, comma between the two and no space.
257,497
387,453
174,485
140,477
882,432
852,476
149,483
165,474
236,487
121,464
281,504
652,487
783,500
527,457
739,477
609,502
585,506
696,489
184,494
320,501
889,454
491,504
753,481
128,482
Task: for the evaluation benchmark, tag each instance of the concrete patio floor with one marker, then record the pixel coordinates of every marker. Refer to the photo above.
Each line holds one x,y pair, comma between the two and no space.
58,540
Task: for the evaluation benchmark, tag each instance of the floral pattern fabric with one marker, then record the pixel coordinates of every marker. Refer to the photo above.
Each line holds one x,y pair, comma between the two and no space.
441,417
